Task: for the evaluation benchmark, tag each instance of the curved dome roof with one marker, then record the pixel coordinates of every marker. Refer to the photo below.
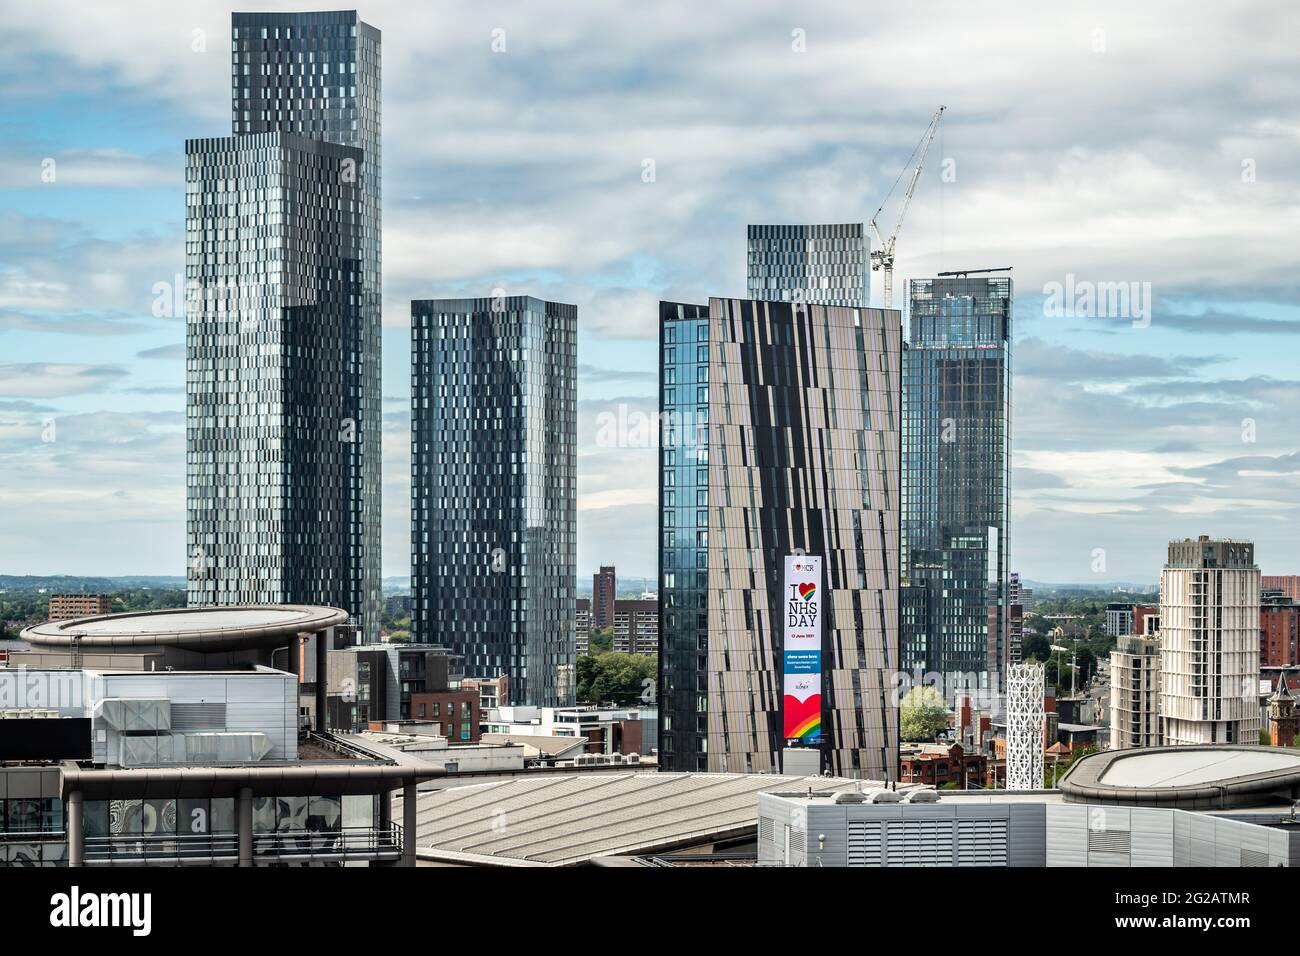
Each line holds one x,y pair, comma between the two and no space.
199,628
1210,776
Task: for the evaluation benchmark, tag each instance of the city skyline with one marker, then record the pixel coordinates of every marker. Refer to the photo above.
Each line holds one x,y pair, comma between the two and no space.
1130,430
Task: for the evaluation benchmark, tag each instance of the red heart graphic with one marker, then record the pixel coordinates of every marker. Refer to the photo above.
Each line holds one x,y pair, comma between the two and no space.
807,590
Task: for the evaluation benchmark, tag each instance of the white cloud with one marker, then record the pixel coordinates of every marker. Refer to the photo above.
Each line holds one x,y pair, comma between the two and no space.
53,380
524,169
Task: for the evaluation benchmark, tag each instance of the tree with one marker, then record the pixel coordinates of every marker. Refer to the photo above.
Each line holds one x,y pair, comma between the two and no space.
586,673
922,714
1087,662
617,678
601,642
1036,646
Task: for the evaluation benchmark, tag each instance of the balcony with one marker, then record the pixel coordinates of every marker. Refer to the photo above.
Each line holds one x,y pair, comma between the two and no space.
207,849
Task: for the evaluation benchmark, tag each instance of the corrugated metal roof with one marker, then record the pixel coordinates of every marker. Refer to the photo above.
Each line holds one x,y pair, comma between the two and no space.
565,820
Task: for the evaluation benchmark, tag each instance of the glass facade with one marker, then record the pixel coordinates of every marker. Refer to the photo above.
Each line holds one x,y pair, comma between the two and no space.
274,386
31,832
318,75
494,488
956,476
683,536
779,436
823,264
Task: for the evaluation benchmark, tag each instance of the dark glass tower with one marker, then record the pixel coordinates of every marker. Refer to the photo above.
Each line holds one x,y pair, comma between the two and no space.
273,266
827,264
780,434
494,488
956,474
318,75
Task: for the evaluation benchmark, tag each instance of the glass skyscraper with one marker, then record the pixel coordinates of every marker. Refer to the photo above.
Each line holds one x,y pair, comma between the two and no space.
823,264
956,475
274,391
494,488
318,75
779,435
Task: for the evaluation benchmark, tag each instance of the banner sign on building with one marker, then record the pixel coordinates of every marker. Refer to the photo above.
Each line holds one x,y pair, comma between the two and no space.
803,649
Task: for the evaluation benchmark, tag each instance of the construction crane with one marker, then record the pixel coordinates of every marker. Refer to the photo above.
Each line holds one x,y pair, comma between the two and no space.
882,257
962,273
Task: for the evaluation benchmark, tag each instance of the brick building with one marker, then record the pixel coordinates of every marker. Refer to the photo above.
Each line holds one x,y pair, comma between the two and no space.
939,764
1288,584
64,607
455,711
1279,630
1146,620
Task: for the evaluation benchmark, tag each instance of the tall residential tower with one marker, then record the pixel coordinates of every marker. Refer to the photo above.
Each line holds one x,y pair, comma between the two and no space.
780,438
494,489
283,322
1209,643
956,472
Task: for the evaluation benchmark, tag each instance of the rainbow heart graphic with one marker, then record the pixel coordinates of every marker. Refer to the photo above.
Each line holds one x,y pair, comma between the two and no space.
803,718
807,590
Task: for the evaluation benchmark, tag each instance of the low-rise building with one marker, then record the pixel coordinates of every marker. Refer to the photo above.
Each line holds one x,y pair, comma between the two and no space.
493,692
939,765
372,683
607,730
1185,806
63,607
455,712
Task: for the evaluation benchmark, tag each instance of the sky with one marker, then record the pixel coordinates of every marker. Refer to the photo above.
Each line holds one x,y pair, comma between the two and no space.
1084,145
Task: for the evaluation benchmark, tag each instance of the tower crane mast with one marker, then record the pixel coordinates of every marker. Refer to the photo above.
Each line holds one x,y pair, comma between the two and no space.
882,257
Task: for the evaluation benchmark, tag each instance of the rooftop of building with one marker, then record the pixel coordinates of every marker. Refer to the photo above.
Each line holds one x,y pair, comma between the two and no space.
822,796
566,820
541,744
1222,776
208,629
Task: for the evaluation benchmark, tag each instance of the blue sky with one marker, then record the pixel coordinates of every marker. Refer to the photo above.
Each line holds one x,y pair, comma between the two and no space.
1112,143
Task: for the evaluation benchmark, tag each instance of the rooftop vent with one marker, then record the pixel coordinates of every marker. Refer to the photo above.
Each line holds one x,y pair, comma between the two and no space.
923,796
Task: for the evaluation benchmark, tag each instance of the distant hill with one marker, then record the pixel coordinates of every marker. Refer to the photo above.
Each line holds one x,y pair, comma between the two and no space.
74,584
1115,590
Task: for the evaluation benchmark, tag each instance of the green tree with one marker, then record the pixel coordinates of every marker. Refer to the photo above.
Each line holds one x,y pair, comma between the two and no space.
586,673
616,678
922,714
602,642
1036,646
